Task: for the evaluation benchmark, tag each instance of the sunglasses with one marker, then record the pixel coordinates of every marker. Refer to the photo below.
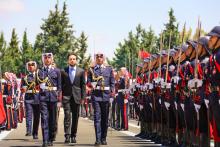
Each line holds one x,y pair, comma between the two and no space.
99,56
49,55
31,64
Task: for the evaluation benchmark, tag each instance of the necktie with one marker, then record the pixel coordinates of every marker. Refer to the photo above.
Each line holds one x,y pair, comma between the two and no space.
31,75
72,74
47,69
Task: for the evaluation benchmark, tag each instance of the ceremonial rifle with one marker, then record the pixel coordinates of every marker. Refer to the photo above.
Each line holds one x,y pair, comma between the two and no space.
195,83
166,86
177,78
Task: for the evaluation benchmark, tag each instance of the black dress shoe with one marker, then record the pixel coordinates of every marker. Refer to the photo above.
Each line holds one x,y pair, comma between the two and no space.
67,140
28,134
54,139
97,143
44,144
35,137
104,142
73,140
50,143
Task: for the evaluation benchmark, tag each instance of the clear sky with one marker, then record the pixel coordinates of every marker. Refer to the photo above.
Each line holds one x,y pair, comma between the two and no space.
107,22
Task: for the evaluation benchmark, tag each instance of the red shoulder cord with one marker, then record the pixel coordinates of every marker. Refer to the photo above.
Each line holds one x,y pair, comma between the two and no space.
190,68
217,65
200,73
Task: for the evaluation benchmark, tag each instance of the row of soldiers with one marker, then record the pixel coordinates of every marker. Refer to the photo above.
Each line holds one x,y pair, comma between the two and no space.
178,91
11,102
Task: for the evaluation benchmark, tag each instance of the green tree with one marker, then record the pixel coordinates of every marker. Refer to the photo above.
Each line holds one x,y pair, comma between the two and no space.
57,35
195,35
170,26
188,35
84,61
2,45
126,54
27,51
12,60
149,41
121,57
2,51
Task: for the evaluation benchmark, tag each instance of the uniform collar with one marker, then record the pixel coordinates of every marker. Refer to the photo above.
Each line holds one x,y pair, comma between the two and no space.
99,66
49,67
32,73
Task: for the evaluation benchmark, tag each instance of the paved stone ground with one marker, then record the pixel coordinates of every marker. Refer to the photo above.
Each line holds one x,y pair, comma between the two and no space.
85,138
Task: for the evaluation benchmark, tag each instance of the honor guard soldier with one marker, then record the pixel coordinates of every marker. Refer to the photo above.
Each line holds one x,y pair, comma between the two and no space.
102,80
4,96
137,95
204,125
180,86
3,117
31,91
49,79
113,102
8,100
143,101
214,46
122,101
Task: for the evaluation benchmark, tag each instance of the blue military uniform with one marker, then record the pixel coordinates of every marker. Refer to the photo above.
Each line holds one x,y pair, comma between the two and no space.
49,79
31,100
101,94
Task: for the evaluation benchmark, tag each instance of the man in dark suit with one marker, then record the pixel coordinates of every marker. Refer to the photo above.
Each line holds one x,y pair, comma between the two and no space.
74,91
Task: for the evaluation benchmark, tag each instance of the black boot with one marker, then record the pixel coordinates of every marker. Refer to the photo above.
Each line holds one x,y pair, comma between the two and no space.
217,144
204,140
44,144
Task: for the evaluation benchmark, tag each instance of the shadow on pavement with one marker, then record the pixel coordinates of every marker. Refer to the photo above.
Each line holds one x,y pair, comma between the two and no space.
72,144
16,140
26,146
128,140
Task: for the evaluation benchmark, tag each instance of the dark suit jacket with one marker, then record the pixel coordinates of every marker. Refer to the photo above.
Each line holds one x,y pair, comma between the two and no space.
77,89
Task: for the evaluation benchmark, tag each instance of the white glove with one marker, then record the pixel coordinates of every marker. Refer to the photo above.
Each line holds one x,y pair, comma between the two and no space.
167,105
175,105
59,104
43,86
125,101
93,84
141,107
111,100
182,106
207,103
160,101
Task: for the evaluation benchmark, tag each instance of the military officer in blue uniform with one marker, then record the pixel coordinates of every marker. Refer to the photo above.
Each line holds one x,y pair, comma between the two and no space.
101,79
31,99
49,79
